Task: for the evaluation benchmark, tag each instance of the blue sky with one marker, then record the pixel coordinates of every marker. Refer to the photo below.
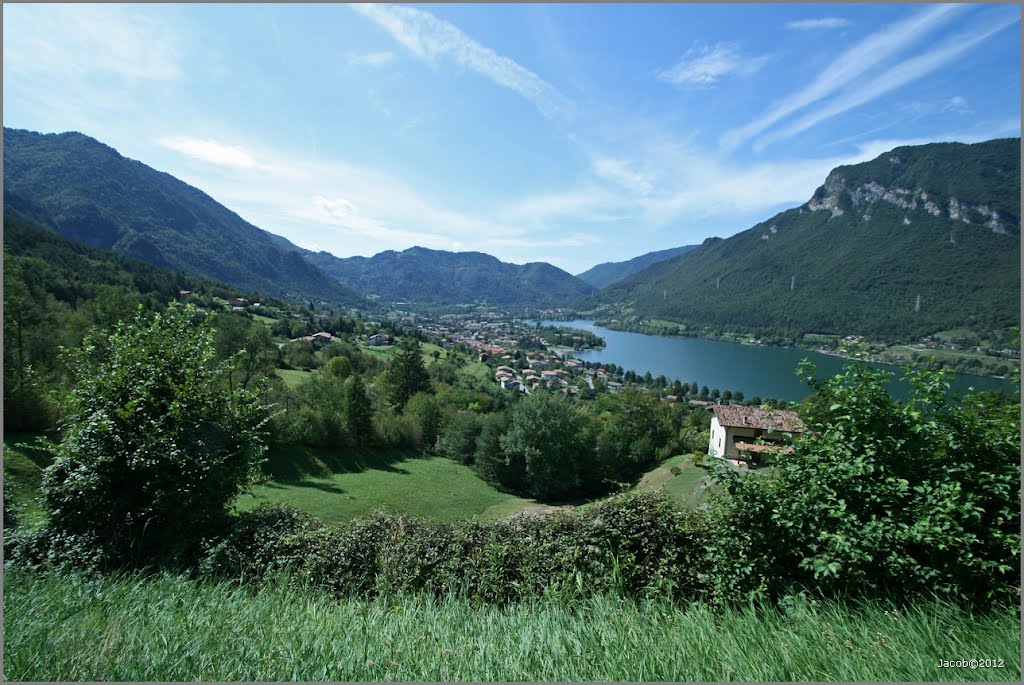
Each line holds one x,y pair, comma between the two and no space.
573,134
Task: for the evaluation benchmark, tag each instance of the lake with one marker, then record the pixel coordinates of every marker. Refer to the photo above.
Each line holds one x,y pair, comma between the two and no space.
752,369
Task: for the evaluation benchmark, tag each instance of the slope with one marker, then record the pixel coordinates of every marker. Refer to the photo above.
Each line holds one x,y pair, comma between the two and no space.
603,275
85,190
422,275
939,221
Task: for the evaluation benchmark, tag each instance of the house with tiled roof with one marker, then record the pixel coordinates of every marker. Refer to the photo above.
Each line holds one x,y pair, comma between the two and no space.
752,434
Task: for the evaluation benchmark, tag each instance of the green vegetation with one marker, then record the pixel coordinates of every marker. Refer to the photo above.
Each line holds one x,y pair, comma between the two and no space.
338,487
681,478
860,272
87,191
428,277
603,275
168,628
25,457
154,448
293,378
918,497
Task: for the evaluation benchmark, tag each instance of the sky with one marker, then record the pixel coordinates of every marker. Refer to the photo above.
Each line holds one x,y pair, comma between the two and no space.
568,133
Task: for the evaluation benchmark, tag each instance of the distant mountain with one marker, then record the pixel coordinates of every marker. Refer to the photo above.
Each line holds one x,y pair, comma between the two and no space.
603,275
939,221
85,190
440,277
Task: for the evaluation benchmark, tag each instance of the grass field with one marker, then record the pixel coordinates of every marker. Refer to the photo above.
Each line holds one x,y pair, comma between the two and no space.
337,486
167,628
690,487
293,377
25,457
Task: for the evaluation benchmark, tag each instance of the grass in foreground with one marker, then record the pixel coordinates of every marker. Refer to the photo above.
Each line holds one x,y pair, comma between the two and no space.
337,486
169,628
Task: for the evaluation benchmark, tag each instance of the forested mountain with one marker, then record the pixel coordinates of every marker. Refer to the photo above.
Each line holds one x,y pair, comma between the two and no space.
85,190
603,275
939,221
440,277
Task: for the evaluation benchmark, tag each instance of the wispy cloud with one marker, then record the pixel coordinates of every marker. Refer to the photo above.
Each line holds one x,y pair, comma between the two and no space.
623,173
815,24
372,59
212,151
432,39
78,40
705,65
898,76
850,65
957,104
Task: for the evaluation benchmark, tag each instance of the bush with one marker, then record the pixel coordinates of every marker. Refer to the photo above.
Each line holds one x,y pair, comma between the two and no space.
914,498
155,446
634,544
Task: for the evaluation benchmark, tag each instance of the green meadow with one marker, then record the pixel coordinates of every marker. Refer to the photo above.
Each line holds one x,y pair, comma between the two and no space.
338,486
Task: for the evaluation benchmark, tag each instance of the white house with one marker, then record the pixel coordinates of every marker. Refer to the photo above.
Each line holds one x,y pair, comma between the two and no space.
736,431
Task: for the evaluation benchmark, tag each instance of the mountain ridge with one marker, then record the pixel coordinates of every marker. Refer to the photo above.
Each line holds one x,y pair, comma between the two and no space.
855,256
602,275
86,190
424,275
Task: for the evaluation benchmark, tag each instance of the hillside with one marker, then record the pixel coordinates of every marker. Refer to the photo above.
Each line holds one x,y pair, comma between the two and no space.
939,221
603,275
439,277
85,190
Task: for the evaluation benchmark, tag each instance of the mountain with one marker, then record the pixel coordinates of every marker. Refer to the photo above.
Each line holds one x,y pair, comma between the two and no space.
603,275
439,277
939,221
85,190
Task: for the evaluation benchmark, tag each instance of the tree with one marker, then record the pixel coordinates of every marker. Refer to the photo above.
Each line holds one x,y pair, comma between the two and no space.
635,426
408,375
155,447
547,435
358,411
338,367
738,396
423,409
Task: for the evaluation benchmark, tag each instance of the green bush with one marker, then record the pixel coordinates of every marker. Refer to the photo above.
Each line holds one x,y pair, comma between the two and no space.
916,498
635,544
155,446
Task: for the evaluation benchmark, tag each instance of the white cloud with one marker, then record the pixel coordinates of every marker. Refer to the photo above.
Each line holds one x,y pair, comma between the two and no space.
705,65
957,104
372,59
899,75
622,173
77,40
850,65
815,24
212,151
431,39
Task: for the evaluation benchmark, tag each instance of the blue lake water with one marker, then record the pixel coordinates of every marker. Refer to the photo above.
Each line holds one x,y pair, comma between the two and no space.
752,369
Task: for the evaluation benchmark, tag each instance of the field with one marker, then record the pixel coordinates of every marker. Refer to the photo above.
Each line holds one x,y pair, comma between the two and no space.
689,487
293,377
167,628
25,457
338,486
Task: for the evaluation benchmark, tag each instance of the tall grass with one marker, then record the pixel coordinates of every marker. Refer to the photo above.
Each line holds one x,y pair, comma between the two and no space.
170,628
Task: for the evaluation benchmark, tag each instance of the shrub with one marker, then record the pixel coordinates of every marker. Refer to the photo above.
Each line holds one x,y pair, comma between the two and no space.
635,545
914,498
155,445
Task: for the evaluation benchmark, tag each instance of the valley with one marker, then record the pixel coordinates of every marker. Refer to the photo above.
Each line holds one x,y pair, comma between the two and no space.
511,343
